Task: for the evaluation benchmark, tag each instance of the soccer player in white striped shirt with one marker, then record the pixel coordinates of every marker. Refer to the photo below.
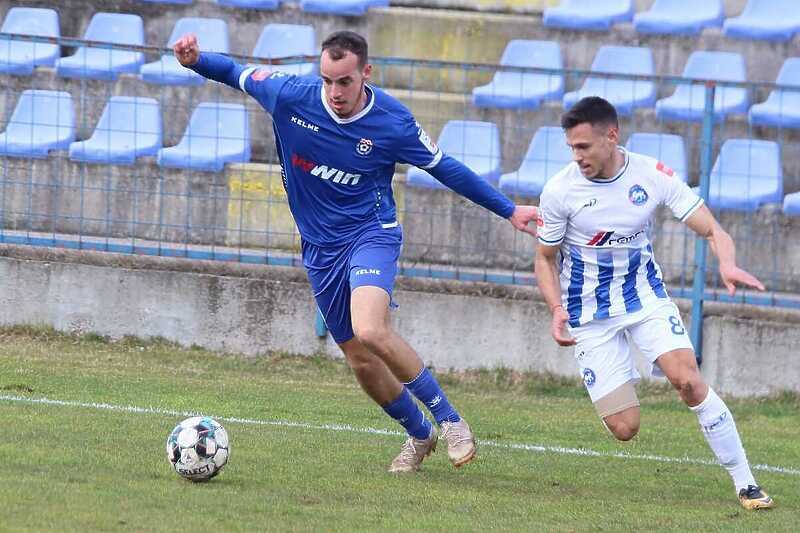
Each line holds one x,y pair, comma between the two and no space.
596,215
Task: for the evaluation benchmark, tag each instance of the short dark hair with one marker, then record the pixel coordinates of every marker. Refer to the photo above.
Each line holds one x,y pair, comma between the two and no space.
340,42
592,109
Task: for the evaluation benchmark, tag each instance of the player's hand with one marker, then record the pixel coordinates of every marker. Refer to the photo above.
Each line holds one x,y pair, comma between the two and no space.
523,215
558,328
733,276
187,51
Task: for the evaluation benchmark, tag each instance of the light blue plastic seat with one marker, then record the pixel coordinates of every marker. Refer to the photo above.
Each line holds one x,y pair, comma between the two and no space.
547,154
667,148
287,40
590,15
128,128
625,95
782,108
524,90
253,4
680,17
41,121
212,35
105,63
21,57
354,8
217,134
747,174
474,143
770,20
791,204
688,100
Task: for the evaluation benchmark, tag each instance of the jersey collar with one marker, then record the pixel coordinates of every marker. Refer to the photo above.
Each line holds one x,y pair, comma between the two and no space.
621,171
337,118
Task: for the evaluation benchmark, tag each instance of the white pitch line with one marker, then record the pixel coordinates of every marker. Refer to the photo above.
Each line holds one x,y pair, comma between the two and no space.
558,450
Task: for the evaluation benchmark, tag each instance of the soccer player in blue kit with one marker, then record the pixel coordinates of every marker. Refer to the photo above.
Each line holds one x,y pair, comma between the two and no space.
608,289
338,140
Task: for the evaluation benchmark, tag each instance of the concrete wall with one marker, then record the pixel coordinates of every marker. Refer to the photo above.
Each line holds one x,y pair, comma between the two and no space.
254,309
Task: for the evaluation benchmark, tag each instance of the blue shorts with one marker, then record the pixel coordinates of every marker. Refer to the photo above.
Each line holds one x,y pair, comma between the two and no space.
334,271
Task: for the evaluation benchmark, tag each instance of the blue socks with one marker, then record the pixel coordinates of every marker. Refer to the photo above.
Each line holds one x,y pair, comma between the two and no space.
427,390
405,410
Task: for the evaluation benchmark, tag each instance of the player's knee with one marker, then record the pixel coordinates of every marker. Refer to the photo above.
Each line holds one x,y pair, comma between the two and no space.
371,335
690,386
623,430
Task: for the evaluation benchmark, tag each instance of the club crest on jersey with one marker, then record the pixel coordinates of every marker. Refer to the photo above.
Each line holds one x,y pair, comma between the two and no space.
637,195
364,147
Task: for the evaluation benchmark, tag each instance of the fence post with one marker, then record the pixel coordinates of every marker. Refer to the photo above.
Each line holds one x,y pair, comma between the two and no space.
701,246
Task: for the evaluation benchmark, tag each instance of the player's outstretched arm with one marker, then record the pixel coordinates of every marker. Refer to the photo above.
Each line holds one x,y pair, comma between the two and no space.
461,179
215,67
705,225
549,285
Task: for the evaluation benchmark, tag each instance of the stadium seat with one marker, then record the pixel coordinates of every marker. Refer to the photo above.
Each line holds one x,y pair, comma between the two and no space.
105,63
680,17
747,174
253,4
791,204
212,35
286,40
474,143
782,108
355,8
688,100
128,128
667,148
770,20
626,95
525,90
547,154
217,134
21,57
588,14
41,121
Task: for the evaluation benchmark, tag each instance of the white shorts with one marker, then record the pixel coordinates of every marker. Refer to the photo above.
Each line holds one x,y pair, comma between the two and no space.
603,350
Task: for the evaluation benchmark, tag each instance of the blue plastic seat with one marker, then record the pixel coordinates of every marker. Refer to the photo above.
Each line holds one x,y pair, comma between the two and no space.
680,17
253,4
667,148
128,128
474,143
216,134
524,90
21,57
688,100
41,121
105,63
791,204
747,174
588,14
355,8
782,108
770,20
625,95
287,40
212,35
547,154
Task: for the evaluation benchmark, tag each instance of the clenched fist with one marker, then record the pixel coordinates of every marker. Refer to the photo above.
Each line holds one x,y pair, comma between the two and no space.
187,51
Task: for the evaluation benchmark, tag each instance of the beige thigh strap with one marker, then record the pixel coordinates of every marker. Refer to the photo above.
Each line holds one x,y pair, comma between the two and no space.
617,400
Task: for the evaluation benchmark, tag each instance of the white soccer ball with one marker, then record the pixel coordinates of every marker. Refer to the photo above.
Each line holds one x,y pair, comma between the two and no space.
198,448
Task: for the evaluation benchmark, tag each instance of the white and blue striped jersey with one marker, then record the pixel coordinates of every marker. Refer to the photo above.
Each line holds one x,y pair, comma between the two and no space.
603,230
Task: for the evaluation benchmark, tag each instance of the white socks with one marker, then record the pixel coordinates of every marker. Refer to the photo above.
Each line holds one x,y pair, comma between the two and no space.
719,429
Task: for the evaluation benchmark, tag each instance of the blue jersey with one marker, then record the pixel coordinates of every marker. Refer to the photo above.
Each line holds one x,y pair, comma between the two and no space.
338,172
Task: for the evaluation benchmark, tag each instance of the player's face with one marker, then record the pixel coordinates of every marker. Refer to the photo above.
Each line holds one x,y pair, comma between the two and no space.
344,81
593,148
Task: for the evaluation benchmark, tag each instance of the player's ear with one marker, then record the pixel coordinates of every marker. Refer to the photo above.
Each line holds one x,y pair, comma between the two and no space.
613,134
367,71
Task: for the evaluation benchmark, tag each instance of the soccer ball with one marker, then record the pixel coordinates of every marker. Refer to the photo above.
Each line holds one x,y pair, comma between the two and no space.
198,448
